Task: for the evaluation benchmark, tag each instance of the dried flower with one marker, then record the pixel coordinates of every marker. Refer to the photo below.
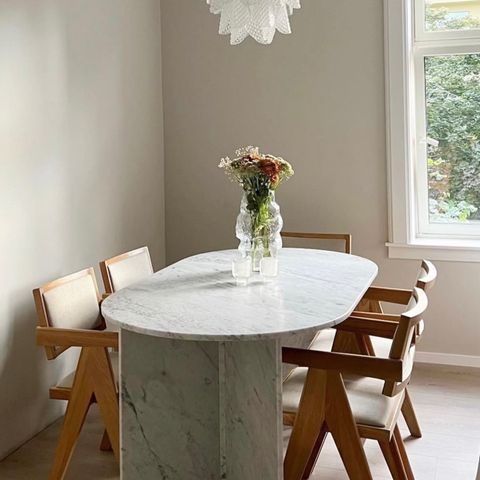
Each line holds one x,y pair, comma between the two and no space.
256,171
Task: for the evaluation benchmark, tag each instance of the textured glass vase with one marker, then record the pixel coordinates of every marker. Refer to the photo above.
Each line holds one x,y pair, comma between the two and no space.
258,229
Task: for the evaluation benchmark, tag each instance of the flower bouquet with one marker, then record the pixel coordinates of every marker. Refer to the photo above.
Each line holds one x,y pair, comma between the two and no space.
259,222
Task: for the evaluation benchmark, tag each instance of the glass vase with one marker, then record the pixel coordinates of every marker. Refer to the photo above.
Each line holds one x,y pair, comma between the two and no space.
258,228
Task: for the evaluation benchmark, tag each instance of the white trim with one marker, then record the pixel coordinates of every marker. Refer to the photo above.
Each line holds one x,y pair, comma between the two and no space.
398,57
406,239
447,253
448,359
420,155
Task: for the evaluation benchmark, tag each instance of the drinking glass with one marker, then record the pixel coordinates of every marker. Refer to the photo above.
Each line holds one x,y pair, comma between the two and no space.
242,269
269,268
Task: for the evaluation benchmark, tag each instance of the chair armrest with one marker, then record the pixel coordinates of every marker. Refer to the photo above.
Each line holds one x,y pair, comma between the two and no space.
383,368
389,295
428,277
64,337
368,326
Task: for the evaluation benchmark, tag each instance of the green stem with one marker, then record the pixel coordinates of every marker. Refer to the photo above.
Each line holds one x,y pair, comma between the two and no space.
260,225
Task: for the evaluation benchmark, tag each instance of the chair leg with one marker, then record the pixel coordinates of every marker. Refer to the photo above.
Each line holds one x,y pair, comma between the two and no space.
392,457
410,417
396,457
369,306
365,344
105,445
349,342
106,395
308,425
77,408
403,453
315,452
346,342
375,306
341,424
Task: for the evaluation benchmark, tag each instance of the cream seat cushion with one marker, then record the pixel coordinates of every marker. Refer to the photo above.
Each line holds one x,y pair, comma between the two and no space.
381,347
324,340
369,406
67,381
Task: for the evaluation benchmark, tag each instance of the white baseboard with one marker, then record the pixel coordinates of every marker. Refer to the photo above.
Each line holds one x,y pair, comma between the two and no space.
448,359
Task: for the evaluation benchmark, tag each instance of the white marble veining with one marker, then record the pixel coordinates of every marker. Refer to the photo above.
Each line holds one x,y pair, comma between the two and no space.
200,410
170,418
251,410
197,298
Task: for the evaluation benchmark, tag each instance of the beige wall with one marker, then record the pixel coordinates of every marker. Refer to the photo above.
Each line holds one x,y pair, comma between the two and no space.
81,168
315,97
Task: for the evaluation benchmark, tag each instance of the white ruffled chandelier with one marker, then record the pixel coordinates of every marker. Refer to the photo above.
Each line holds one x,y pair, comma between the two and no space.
258,18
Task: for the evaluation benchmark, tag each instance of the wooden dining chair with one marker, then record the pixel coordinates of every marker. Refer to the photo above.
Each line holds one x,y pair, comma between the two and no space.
345,238
123,270
68,312
379,346
352,396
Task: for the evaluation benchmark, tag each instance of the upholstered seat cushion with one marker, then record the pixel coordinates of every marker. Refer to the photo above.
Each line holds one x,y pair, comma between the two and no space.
369,406
381,346
67,381
324,340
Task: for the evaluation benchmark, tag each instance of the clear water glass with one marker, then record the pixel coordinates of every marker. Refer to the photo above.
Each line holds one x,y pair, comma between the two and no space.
269,268
242,269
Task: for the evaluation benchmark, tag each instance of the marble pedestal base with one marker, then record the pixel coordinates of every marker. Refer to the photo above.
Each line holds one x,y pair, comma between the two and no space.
200,410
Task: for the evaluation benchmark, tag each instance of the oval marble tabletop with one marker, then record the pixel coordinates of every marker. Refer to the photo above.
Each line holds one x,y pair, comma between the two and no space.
197,298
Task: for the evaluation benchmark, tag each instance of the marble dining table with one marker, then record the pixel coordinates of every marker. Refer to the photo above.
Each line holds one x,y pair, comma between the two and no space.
201,360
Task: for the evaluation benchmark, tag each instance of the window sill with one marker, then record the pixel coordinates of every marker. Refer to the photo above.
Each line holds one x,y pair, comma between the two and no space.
443,250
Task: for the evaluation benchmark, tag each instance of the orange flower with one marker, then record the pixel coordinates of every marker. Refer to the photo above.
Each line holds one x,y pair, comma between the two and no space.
270,168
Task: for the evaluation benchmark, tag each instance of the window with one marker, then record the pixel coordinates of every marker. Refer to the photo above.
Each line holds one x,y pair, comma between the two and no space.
433,99
447,15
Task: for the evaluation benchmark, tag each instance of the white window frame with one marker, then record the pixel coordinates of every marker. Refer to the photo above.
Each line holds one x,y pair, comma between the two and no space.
404,57
424,228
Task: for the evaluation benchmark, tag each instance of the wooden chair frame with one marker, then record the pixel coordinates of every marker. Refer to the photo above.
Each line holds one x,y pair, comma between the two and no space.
363,344
345,237
93,382
107,280
324,403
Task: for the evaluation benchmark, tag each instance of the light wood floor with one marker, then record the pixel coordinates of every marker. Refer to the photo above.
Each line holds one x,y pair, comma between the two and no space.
447,402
